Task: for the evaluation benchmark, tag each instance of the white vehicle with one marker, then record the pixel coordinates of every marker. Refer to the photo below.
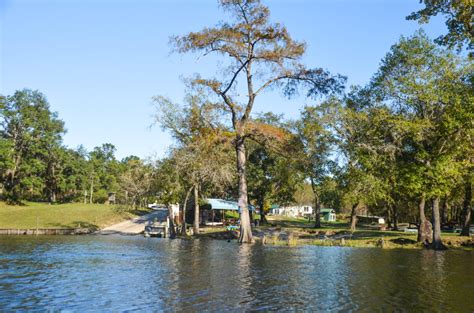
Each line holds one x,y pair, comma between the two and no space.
156,206
160,225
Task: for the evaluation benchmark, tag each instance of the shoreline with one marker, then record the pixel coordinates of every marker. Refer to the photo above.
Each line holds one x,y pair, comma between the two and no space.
44,231
463,243
279,232
342,238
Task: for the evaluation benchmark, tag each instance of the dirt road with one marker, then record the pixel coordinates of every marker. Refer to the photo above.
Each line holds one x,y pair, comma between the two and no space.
130,227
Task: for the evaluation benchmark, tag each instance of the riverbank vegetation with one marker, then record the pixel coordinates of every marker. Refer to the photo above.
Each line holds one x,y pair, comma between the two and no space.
400,146
288,231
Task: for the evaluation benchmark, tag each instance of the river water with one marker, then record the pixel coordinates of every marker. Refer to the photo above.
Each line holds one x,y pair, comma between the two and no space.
120,273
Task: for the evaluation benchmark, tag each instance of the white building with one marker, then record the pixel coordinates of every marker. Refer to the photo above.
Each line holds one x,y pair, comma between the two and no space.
293,211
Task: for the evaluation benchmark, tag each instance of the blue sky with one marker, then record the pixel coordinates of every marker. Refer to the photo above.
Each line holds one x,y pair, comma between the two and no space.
100,62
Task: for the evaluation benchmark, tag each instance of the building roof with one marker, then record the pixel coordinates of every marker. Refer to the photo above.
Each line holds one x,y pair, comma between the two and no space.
220,204
327,211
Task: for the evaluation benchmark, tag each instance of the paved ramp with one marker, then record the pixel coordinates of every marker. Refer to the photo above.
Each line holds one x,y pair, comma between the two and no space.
130,227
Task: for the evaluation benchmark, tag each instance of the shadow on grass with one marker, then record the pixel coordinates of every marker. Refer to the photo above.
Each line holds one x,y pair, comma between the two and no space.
124,209
288,223
335,225
403,241
76,224
222,234
376,234
468,244
303,223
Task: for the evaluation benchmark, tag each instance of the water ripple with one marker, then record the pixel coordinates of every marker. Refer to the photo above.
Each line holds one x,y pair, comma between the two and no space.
114,273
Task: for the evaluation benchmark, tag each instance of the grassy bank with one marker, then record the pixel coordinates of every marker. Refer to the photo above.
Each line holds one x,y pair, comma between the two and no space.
71,215
298,231
293,231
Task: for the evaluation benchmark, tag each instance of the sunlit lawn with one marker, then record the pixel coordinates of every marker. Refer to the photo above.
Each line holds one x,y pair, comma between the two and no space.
70,215
363,236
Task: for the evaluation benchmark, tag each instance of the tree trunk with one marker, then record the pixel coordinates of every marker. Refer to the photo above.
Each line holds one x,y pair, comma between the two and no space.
183,213
389,216
394,216
196,210
317,213
354,216
444,211
92,190
50,185
12,193
172,229
437,244
424,228
456,215
245,227
263,219
467,209
317,205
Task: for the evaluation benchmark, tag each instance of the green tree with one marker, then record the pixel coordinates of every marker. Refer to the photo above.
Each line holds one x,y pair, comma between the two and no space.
104,170
467,158
31,131
136,182
202,156
429,89
261,55
458,14
361,185
315,145
273,174
74,176
376,140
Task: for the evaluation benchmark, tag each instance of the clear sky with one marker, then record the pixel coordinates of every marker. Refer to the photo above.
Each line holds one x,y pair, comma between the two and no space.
100,62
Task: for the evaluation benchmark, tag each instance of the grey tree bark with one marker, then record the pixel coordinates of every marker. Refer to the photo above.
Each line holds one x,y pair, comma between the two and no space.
172,230
424,228
395,217
444,210
245,227
354,216
389,216
467,209
196,210
317,206
437,243
92,190
263,218
183,212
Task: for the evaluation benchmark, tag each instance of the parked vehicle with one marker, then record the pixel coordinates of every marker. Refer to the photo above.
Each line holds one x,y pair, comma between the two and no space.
160,225
156,206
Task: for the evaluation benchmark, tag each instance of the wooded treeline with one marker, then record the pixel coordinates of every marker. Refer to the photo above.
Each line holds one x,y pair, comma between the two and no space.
400,146
35,165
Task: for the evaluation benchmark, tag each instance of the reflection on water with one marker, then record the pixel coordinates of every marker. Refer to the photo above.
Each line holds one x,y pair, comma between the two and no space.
125,273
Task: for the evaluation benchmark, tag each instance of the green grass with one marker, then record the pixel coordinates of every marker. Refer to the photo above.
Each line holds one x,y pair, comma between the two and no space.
71,215
301,232
235,215
365,235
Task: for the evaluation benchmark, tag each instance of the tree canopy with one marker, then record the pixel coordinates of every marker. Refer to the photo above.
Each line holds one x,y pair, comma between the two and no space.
458,14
